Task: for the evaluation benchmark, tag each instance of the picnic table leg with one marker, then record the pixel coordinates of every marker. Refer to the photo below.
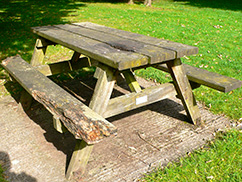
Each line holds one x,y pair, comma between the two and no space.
101,96
79,158
37,59
184,90
75,57
80,60
103,89
25,100
39,52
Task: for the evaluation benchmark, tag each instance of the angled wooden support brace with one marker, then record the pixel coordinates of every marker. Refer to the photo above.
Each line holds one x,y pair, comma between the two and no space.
134,100
75,57
39,51
99,102
131,81
63,67
103,89
184,90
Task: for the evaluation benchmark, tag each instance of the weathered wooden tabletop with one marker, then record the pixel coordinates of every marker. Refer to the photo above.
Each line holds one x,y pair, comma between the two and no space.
120,50
116,48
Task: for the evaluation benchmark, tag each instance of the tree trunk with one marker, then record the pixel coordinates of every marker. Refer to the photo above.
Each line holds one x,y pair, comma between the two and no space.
147,2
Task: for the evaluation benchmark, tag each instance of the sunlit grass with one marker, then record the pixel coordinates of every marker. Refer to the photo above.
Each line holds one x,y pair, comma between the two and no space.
2,178
219,161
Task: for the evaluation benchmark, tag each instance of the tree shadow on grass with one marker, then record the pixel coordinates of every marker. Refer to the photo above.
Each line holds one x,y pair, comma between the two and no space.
235,5
17,18
106,1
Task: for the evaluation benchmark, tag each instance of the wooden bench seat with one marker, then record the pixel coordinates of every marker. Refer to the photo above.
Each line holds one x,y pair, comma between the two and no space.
79,119
207,78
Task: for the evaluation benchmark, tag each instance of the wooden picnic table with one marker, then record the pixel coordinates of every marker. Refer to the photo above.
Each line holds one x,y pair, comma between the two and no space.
119,51
116,54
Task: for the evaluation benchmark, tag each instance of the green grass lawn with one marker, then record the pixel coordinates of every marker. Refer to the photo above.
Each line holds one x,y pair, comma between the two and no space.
221,161
215,27
2,178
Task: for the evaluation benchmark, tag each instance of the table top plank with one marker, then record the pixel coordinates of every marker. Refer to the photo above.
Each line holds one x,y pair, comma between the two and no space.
180,49
156,54
100,51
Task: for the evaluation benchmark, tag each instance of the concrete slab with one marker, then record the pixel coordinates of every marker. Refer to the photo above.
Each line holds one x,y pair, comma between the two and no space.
32,151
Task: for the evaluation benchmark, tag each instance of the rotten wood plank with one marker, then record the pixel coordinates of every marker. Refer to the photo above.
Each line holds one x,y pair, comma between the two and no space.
207,78
94,49
180,49
134,100
79,119
156,54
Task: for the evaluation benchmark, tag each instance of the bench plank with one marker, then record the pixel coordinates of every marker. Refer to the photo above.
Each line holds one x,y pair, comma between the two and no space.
180,49
79,119
155,54
97,50
209,79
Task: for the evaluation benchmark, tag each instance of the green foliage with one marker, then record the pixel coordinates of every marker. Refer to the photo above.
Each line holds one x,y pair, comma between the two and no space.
2,178
220,161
